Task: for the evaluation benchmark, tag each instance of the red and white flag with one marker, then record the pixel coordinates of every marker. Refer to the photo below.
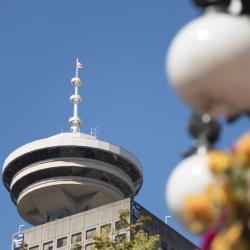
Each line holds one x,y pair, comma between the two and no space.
78,64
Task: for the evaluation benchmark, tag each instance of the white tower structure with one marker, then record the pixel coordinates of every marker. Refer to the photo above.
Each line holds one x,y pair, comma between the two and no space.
75,121
69,172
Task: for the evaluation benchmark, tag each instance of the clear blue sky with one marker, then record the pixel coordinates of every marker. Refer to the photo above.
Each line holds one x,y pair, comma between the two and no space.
126,93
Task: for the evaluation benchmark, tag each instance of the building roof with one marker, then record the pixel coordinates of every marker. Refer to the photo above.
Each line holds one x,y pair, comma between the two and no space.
72,139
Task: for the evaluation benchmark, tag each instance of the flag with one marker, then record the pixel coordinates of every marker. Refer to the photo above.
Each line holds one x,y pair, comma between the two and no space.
78,64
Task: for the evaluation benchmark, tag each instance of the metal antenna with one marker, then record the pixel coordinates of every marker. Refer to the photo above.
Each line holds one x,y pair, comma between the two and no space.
75,121
94,131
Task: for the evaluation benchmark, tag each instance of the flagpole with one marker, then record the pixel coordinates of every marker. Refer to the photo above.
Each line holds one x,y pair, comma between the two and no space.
76,89
75,99
77,61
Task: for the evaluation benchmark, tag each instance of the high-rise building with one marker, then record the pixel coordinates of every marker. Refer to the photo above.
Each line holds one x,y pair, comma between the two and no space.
76,232
71,185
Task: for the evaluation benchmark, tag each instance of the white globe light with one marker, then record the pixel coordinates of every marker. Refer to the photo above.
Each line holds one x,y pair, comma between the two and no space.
209,64
190,177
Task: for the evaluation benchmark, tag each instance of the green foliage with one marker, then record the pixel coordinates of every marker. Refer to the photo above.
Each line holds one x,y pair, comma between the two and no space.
117,240
76,246
24,246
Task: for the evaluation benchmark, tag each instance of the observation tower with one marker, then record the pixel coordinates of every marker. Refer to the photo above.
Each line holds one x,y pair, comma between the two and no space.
69,172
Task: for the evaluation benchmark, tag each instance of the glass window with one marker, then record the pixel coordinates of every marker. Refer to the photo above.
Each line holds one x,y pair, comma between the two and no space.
89,246
119,225
62,242
48,246
120,238
70,171
34,248
76,238
50,153
106,228
90,233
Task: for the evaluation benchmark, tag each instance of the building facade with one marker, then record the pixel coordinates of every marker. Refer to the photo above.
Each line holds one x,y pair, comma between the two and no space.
77,231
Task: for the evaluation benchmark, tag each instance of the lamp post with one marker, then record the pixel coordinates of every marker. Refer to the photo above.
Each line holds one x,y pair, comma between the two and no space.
209,59
206,68
192,175
166,218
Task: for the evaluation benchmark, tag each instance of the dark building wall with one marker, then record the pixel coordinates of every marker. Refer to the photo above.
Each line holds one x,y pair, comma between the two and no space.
170,239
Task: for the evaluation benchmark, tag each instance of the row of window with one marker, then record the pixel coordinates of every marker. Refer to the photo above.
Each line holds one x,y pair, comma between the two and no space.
90,173
63,243
77,237
49,246
69,151
118,239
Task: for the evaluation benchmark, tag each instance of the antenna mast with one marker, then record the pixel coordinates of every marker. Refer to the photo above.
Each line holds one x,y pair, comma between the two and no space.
75,121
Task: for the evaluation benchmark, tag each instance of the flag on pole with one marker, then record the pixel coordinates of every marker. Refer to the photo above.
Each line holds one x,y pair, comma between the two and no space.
78,64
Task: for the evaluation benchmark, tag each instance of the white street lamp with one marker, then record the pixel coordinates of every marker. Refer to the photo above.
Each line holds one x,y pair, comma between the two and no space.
208,63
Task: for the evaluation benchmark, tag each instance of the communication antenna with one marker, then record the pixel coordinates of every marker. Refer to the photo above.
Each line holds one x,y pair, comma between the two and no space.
94,131
75,99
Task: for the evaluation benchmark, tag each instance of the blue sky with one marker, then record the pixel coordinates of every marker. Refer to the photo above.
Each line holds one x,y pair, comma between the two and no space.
123,45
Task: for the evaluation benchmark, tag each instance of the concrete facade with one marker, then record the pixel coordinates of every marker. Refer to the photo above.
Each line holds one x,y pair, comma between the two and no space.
79,228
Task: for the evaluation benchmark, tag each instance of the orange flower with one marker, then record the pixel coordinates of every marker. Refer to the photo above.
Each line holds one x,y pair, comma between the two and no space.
230,239
219,162
218,194
243,145
234,233
198,205
240,160
199,212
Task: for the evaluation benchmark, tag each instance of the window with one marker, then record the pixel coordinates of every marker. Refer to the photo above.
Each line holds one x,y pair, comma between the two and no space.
34,248
120,238
90,233
76,238
62,242
89,246
50,153
119,225
48,246
106,228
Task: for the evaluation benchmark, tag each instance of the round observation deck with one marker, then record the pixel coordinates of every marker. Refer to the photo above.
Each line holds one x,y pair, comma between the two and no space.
69,173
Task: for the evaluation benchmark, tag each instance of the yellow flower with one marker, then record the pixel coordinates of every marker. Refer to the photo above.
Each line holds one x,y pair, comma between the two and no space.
218,194
240,160
199,211
229,239
243,145
234,232
199,206
219,162
219,243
